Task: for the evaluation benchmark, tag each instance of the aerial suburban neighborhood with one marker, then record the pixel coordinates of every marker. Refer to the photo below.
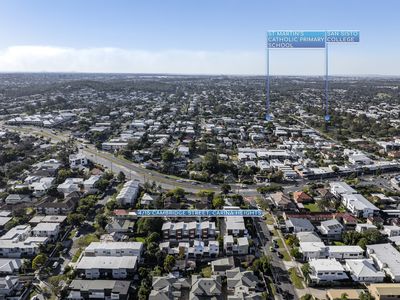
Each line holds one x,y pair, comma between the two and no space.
78,163
199,150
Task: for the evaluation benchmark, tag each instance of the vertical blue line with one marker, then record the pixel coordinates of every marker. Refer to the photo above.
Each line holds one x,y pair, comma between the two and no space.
267,117
327,117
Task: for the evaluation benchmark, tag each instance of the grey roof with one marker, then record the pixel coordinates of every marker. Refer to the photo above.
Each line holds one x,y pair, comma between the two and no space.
117,286
205,287
107,262
305,237
387,255
363,268
301,223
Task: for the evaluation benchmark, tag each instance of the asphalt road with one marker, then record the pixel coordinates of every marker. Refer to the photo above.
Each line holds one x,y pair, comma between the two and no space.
130,169
280,276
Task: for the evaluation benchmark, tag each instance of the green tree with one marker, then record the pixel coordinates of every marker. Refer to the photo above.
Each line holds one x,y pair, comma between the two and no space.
101,220
306,270
75,219
121,176
102,184
167,156
225,188
218,202
292,240
210,162
169,263
39,261
153,237
149,225
295,252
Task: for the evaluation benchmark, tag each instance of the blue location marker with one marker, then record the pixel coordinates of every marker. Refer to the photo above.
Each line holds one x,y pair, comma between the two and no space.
268,117
327,118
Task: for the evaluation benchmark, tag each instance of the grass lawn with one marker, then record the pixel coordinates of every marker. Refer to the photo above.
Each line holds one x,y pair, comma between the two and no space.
206,271
295,279
140,239
269,219
336,243
72,233
282,249
313,207
84,241
76,256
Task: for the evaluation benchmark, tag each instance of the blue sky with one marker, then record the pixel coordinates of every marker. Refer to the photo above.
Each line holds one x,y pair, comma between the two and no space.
177,36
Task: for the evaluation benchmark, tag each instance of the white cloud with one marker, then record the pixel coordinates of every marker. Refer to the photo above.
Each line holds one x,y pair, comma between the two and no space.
53,59
58,59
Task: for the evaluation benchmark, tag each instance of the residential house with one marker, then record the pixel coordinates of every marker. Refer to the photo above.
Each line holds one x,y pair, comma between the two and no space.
41,186
281,201
99,289
117,267
364,270
128,193
17,199
302,197
331,229
236,246
295,225
313,250
387,258
362,227
345,252
70,185
77,160
89,185
206,288
326,270
391,231
10,287
358,205
220,266
9,266
49,230
242,284
114,249
169,288
188,231
53,206
339,188
148,199
384,291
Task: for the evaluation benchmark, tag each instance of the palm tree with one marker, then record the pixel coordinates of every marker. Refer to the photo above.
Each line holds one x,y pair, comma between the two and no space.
306,270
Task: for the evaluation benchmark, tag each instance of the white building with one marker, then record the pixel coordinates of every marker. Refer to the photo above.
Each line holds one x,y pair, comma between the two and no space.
9,285
118,267
129,193
41,186
49,230
77,160
70,185
345,252
363,270
313,250
358,205
339,188
391,231
387,258
89,184
324,270
114,249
